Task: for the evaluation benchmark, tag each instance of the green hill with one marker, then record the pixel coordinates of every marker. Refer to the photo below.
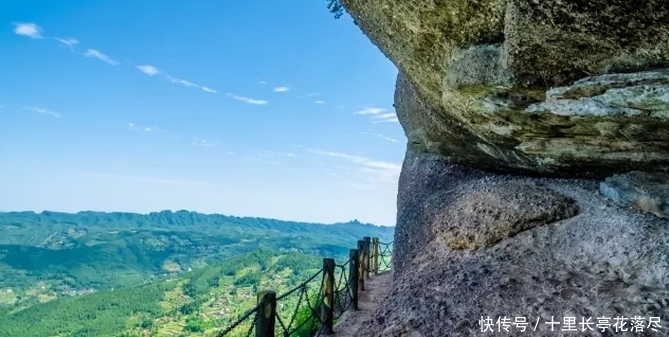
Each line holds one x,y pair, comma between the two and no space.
198,304
44,256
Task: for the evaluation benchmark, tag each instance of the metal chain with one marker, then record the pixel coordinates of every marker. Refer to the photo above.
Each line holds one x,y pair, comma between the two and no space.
386,252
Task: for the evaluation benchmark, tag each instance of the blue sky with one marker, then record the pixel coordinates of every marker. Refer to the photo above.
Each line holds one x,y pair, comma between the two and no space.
248,108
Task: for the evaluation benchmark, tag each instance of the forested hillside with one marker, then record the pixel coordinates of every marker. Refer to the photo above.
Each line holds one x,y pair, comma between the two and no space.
198,304
55,264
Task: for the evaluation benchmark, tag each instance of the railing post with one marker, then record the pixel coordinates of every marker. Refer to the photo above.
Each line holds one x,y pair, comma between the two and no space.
353,268
266,318
375,256
327,306
368,256
361,264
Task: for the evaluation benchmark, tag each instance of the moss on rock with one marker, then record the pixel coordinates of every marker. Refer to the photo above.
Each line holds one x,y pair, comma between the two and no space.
480,73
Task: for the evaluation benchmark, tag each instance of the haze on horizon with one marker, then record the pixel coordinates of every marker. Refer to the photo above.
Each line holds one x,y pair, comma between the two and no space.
241,108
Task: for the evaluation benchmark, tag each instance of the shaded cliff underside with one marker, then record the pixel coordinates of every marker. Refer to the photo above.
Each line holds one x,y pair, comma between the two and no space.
483,70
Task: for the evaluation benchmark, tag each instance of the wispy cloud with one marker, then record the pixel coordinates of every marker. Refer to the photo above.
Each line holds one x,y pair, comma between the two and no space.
262,82
30,30
378,115
98,55
312,94
382,171
385,118
380,136
319,102
181,81
148,69
200,142
70,43
281,89
247,100
370,111
43,112
152,71
133,126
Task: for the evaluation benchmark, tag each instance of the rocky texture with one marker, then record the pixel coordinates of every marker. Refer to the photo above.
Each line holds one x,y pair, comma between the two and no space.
645,191
486,212
603,261
482,71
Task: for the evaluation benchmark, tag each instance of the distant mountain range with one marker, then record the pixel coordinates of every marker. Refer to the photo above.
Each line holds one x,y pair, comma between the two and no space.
91,251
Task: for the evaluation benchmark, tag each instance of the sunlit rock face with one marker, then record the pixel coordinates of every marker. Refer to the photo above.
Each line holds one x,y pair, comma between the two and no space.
552,87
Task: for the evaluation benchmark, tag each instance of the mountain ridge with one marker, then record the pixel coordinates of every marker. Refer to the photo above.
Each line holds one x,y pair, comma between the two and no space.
182,212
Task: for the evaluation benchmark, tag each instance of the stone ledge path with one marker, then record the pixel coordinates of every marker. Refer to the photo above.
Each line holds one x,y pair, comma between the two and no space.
375,288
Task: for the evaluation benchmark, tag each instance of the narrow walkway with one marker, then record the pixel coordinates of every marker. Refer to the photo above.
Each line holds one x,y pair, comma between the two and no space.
351,321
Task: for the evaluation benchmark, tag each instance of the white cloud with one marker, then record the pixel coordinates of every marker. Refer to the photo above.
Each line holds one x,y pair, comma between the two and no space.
370,111
281,89
181,81
382,172
230,153
247,100
200,142
148,69
380,136
97,54
319,102
151,71
312,94
262,82
43,112
28,29
385,118
379,115
70,43
133,126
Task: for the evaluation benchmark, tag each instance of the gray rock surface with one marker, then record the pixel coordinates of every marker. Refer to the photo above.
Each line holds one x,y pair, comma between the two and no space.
646,191
603,261
554,87
632,95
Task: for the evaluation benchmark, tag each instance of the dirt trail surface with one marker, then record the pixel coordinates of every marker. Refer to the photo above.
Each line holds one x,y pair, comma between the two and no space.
376,288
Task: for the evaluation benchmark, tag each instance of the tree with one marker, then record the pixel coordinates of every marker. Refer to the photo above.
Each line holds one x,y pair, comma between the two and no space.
336,8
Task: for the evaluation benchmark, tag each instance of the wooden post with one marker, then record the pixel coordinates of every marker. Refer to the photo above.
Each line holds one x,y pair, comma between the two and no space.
361,264
353,269
266,318
368,256
327,306
375,256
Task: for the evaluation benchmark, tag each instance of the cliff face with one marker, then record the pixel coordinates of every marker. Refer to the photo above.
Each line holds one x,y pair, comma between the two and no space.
484,70
561,93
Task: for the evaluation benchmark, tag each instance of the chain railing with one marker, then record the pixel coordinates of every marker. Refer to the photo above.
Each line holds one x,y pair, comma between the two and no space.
317,309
